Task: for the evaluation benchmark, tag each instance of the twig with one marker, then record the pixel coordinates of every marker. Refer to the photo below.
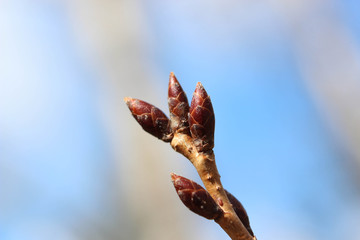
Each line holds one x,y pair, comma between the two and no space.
207,170
190,132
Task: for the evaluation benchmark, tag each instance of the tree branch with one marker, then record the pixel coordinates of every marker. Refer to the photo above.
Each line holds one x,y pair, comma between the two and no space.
205,165
190,131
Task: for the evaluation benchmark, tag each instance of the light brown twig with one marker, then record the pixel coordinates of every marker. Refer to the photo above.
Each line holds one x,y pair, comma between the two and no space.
190,131
207,170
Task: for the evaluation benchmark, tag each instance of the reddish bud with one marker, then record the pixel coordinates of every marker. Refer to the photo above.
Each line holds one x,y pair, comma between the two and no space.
195,197
151,119
202,119
240,212
178,104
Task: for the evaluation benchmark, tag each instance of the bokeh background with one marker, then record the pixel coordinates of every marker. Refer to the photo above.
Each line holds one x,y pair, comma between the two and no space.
284,77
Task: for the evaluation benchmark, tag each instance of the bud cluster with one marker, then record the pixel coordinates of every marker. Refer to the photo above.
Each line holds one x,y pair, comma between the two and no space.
195,125
198,120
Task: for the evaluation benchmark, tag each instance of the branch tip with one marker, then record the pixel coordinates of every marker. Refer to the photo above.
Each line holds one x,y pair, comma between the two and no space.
190,129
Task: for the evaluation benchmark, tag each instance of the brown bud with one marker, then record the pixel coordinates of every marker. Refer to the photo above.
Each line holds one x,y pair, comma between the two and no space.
240,212
195,197
178,104
202,119
151,119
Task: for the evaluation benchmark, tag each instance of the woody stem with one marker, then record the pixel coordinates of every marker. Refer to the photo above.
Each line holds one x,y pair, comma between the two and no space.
204,162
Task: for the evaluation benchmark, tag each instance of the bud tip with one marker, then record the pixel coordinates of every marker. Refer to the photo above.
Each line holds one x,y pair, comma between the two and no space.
173,176
172,78
127,100
199,85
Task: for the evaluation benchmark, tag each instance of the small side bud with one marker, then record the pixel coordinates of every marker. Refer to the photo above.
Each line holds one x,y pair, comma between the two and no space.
151,119
240,212
202,119
195,197
178,105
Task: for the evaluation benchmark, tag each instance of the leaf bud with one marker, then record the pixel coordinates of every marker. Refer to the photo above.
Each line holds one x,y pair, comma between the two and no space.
178,105
151,118
202,119
196,198
240,212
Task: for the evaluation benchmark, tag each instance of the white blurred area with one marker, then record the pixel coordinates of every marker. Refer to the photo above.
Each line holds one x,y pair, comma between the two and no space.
115,42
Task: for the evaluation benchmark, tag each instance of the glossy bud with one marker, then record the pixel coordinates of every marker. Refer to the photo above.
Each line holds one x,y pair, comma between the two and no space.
178,104
240,212
202,119
195,197
151,119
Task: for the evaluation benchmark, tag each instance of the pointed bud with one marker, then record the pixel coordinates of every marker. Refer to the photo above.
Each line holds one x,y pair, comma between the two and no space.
202,119
178,104
151,119
195,197
240,212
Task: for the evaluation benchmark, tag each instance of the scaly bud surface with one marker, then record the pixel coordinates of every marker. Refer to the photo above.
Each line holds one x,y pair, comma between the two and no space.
240,212
151,119
202,119
178,105
195,197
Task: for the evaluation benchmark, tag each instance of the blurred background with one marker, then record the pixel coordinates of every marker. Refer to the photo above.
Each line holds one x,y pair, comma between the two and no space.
284,77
